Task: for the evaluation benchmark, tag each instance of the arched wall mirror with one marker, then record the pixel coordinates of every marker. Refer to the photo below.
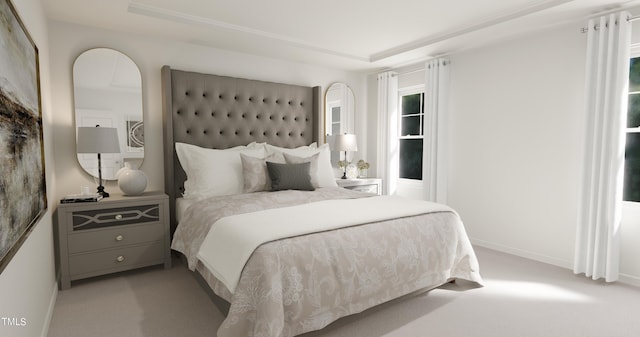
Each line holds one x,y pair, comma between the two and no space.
108,92
339,114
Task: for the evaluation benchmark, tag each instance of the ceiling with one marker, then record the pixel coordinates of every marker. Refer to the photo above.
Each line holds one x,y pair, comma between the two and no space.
347,34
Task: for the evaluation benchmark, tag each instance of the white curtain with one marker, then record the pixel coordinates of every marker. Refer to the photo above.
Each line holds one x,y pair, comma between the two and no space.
600,213
388,150
435,129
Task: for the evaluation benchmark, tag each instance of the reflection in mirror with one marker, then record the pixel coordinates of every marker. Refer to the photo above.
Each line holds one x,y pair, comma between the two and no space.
108,92
339,114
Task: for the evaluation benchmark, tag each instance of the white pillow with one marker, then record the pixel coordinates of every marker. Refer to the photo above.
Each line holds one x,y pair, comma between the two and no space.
213,172
272,148
324,175
255,145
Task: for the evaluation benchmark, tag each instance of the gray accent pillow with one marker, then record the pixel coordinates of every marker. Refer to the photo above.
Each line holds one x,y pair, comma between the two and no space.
290,176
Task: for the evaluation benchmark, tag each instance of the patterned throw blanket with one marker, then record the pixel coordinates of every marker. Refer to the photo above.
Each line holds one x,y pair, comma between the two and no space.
232,240
303,283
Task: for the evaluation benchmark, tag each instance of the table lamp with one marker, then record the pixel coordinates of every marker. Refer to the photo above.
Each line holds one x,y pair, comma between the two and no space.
345,142
98,140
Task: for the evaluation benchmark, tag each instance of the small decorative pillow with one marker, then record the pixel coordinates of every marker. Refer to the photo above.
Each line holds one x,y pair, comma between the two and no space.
290,176
255,174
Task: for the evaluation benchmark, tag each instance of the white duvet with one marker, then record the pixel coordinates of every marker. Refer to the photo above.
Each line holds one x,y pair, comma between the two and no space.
232,239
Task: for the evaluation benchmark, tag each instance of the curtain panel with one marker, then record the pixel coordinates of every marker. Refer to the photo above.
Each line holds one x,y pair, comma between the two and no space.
607,75
388,146
435,129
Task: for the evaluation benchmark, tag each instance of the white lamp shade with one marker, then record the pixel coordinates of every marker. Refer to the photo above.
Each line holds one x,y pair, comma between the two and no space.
345,142
98,140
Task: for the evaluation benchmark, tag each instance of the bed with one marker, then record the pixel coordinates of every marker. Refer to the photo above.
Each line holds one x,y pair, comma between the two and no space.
256,212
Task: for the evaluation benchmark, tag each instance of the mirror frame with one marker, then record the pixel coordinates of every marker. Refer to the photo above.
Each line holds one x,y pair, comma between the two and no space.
344,96
106,81
341,89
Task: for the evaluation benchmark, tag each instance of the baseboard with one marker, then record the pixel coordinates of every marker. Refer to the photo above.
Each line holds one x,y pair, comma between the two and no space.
524,253
52,304
630,280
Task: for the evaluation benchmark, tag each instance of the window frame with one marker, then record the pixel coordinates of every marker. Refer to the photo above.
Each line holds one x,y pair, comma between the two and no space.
635,53
406,91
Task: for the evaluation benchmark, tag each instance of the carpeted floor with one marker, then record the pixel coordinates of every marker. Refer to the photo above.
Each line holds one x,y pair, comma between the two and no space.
521,298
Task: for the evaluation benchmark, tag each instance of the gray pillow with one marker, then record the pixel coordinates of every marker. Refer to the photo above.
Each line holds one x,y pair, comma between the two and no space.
254,172
290,176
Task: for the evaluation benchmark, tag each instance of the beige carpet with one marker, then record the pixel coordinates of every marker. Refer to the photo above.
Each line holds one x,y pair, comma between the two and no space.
521,298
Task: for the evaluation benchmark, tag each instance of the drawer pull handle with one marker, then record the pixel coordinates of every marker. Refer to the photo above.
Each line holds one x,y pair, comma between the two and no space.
119,217
119,238
120,258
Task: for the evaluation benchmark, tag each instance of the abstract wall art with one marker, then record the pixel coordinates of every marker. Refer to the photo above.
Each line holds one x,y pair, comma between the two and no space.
23,198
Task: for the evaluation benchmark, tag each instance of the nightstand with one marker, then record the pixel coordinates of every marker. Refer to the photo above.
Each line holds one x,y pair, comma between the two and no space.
112,235
371,185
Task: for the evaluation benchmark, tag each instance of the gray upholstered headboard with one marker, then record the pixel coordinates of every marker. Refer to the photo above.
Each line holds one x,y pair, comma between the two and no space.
219,112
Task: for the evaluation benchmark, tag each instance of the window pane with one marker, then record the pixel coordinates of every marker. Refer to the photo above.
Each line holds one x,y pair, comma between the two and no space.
632,168
634,74
411,159
410,126
335,114
633,111
411,104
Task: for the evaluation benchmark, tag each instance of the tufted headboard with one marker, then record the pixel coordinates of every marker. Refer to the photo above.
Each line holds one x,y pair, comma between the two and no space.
219,112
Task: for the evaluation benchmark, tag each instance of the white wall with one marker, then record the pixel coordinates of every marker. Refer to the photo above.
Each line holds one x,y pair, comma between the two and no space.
27,284
150,54
516,150
517,146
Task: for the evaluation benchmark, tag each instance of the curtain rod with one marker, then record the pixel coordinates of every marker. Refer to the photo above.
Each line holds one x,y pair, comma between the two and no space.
631,19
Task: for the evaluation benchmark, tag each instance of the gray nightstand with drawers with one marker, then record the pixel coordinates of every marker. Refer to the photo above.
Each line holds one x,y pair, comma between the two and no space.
371,185
112,235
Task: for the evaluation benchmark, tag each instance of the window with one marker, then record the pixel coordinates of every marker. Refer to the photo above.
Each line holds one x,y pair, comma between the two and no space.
632,152
411,133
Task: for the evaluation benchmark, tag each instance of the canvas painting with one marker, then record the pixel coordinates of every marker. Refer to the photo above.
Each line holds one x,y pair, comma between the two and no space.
23,198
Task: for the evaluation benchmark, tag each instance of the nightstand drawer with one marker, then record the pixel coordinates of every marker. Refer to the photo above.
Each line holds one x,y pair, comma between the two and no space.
365,188
369,185
101,262
83,241
108,217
